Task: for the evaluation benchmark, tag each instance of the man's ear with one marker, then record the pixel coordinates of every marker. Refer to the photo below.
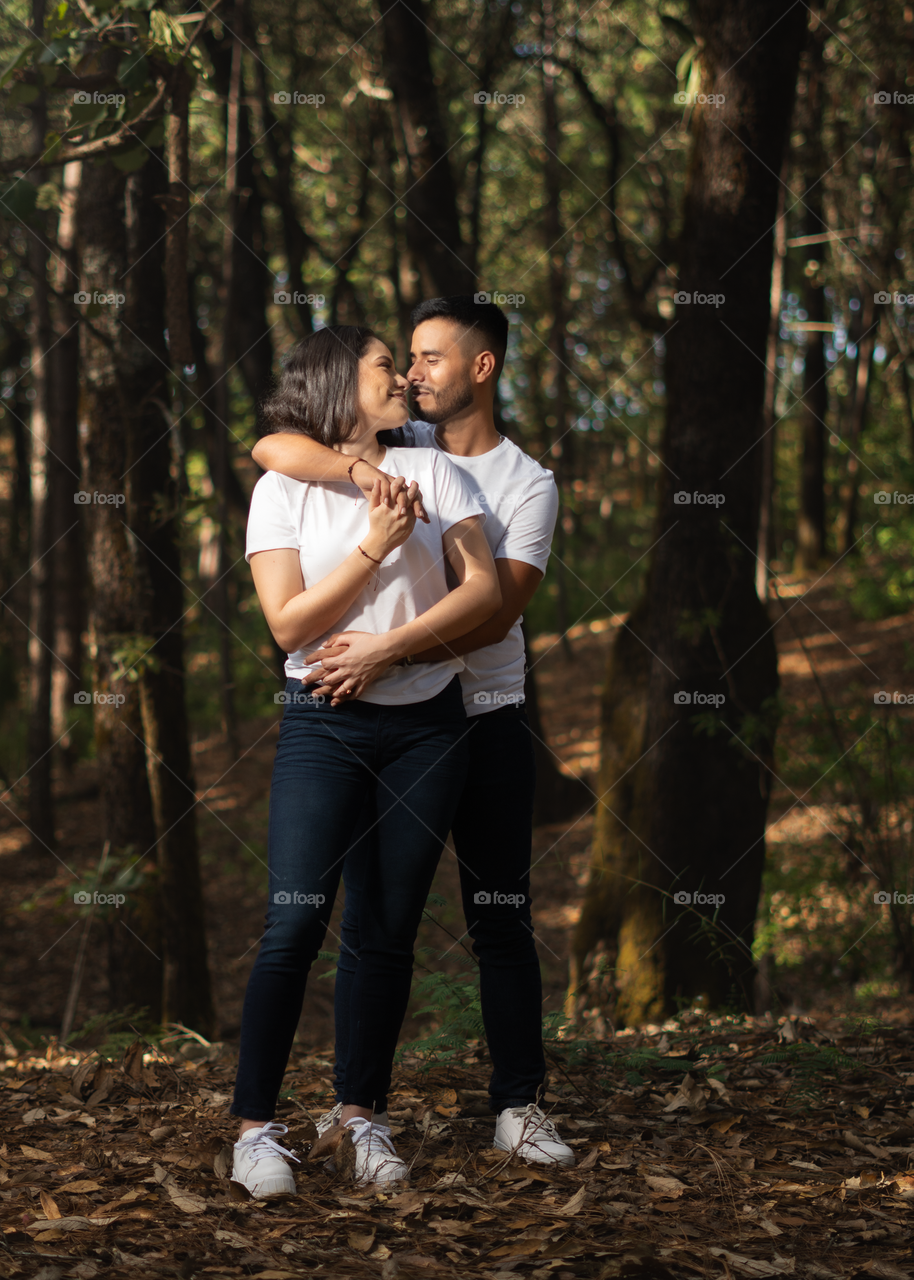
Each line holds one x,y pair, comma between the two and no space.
485,366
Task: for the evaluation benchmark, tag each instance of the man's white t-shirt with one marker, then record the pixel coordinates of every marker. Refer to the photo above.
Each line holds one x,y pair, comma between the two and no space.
521,502
325,522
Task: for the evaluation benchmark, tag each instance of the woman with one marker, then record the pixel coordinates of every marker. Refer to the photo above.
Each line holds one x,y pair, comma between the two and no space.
325,558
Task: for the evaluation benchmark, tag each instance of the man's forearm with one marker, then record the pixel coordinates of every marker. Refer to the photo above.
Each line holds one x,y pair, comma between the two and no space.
302,458
493,631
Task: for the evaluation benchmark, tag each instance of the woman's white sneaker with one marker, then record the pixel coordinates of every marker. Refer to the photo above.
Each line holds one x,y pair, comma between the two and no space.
528,1133
259,1165
376,1159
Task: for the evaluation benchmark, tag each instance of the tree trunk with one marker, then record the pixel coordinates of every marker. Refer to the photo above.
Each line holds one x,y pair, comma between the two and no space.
153,514
859,406
111,393
558,384
432,220
765,546
69,551
45,500
684,785
811,522
557,795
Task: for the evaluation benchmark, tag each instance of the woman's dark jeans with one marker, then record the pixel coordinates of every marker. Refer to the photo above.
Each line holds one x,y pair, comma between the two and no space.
492,829
405,765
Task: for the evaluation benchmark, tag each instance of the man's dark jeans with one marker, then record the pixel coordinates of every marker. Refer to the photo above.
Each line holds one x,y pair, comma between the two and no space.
492,832
406,766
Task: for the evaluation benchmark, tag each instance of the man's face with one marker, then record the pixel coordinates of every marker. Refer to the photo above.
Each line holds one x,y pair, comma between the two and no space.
439,372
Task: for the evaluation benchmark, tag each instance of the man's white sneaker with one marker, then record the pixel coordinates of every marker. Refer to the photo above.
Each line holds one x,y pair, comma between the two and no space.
528,1133
376,1159
332,1117
258,1163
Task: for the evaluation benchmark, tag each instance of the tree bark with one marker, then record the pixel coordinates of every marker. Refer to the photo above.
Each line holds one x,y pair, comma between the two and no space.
110,394
811,520
766,541
684,787
558,384
69,549
153,513
432,218
45,500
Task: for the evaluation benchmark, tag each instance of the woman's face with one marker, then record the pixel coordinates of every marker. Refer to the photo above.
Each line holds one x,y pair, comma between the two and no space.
382,392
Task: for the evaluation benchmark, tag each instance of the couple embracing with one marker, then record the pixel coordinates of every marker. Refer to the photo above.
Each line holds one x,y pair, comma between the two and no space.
393,560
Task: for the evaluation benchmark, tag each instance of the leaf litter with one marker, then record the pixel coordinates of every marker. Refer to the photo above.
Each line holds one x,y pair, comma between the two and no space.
723,1148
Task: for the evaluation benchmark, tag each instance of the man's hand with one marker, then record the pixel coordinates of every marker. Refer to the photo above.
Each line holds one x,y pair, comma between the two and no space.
349,662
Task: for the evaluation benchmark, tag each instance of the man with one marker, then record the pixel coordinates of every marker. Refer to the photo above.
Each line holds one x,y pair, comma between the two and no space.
458,352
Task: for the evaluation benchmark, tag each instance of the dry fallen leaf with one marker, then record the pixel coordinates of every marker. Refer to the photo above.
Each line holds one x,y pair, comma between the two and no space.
36,1153
49,1205
576,1202
756,1267
671,1188
361,1242
186,1201
70,1224
81,1187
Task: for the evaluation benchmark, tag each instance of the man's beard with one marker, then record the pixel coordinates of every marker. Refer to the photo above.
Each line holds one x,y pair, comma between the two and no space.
445,404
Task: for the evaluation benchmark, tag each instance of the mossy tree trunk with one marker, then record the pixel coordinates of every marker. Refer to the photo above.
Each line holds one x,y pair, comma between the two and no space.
684,786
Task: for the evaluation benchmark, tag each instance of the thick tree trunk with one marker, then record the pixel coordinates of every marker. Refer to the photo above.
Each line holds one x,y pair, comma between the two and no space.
153,513
684,784
432,220
110,393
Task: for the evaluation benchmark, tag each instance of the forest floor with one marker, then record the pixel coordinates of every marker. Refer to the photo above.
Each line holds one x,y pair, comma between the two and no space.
713,1146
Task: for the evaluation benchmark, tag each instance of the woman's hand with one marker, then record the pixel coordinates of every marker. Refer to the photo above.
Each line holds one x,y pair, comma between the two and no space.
350,662
364,476
390,519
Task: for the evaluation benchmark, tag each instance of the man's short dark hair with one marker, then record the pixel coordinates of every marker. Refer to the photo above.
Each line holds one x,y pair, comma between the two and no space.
487,319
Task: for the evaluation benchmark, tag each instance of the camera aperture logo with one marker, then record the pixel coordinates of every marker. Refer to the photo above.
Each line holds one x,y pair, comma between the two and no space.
95,299
287,898
483,98
682,498
83,498
884,899
500,299
485,898
291,98
83,898
683,698
883,498
683,298
82,98
884,699
683,898
492,698
84,699
298,699
288,298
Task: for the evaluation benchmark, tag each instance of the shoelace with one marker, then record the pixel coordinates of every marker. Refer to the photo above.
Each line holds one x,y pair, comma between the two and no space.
368,1129
331,1117
543,1126
269,1145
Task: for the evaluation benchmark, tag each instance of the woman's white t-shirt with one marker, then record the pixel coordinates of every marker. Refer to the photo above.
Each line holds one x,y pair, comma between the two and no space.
326,522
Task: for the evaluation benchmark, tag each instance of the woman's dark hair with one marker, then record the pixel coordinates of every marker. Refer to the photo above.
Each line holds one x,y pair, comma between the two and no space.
318,391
